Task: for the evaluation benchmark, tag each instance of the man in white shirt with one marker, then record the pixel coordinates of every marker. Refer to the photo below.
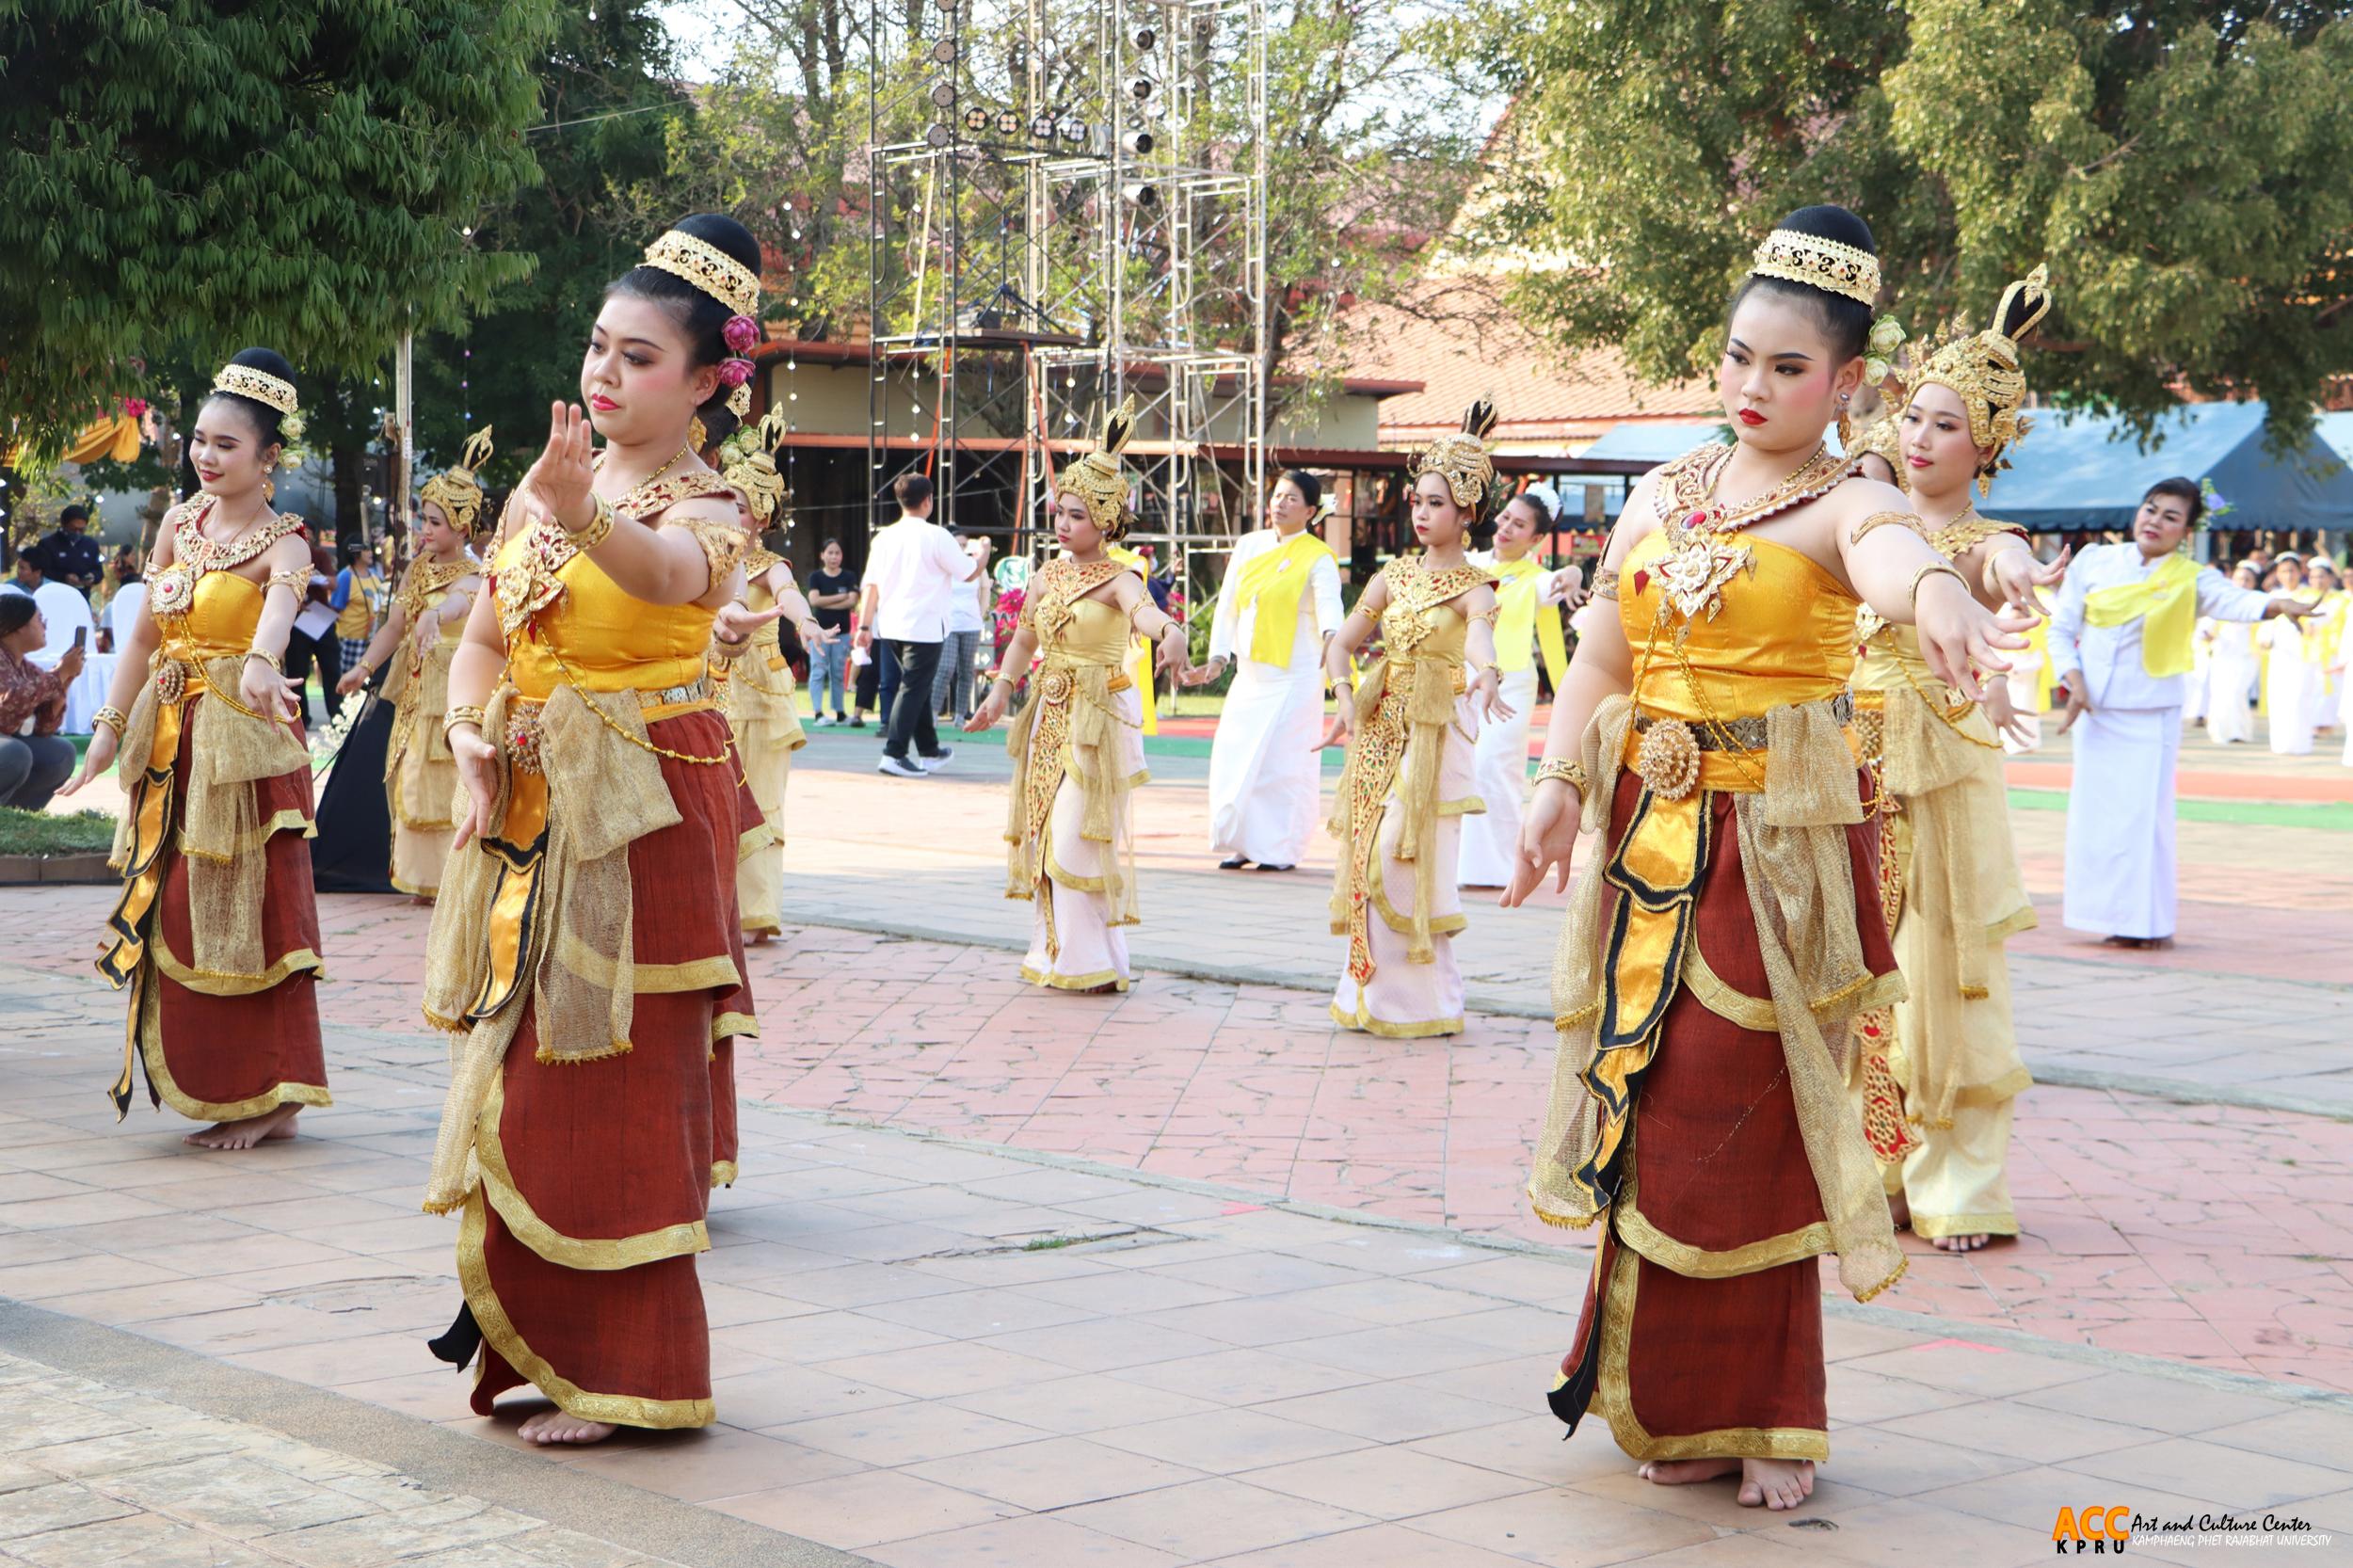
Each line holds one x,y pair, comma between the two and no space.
2121,644
913,569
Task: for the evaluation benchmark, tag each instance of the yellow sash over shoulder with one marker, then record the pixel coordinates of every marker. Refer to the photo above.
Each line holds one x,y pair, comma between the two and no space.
1274,582
2167,600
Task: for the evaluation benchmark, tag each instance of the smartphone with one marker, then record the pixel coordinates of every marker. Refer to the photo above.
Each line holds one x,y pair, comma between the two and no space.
81,638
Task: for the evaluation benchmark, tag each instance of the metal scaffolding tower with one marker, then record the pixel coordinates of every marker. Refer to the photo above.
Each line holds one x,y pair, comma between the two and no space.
1067,207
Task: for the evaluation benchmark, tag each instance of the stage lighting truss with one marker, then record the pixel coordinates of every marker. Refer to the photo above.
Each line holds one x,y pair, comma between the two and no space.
1068,206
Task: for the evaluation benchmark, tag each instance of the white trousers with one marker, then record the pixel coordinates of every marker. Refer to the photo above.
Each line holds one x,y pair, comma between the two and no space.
1499,769
2119,823
1265,773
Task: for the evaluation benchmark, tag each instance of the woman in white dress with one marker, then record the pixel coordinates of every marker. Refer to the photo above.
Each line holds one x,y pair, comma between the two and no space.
1280,600
2288,682
1530,621
2325,640
2232,669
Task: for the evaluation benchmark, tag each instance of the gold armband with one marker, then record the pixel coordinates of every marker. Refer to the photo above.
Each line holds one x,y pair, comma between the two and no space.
113,718
1605,586
1931,569
298,582
1877,520
1567,770
597,529
465,714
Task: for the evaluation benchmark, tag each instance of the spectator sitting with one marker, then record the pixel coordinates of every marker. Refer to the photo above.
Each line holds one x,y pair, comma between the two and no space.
69,555
31,765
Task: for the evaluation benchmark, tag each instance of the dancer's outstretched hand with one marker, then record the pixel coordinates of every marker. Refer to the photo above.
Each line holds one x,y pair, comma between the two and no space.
2020,576
1960,636
477,770
1487,694
1548,838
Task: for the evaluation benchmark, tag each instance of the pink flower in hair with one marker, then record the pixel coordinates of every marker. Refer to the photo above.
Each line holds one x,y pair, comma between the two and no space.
734,373
741,333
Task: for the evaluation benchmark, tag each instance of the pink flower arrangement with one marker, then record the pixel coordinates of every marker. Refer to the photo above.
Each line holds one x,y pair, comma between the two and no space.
1009,614
134,408
734,373
741,333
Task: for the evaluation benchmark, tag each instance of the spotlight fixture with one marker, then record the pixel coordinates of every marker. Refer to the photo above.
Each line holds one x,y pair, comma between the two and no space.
1145,38
1008,123
1141,195
1042,128
945,51
939,135
976,119
1137,144
944,94
1141,88
1074,131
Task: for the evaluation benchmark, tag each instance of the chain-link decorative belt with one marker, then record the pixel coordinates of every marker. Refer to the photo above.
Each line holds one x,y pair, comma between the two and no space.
1745,734
526,733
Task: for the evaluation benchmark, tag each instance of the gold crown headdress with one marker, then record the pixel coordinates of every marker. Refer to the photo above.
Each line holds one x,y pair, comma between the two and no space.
709,269
458,490
1461,457
271,392
1818,262
1098,480
750,465
1982,368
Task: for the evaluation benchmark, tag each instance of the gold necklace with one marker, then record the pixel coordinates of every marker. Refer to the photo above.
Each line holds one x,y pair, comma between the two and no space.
638,491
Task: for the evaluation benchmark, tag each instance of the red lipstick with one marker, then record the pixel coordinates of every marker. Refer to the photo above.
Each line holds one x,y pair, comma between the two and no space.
1751,418
602,403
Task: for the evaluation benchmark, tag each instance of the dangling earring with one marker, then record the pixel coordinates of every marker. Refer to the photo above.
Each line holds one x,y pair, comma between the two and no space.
269,491
696,437
1846,424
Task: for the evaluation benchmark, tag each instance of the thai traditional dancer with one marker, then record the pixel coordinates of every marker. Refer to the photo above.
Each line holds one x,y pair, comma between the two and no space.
1530,600
1410,729
1280,600
1713,956
759,684
217,933
2234,669
1078,745
418,638
585,949
1933,1076
2120,637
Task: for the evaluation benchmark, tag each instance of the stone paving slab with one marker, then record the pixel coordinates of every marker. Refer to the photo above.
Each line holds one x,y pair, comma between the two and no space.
936,1355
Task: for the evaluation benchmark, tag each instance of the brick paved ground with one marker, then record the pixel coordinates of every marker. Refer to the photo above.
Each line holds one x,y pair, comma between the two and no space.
2185,1175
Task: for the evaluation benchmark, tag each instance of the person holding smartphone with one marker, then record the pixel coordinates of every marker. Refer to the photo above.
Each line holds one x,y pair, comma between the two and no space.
32,766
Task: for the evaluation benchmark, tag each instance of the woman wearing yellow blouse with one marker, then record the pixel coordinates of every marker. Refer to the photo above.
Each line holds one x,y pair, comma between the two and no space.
585,949
1410,727
420,637
1077,746
1529,600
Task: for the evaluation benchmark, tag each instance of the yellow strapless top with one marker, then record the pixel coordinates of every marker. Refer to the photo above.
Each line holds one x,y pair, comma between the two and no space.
1097,635
220,620
608,640
1785,635
1892,652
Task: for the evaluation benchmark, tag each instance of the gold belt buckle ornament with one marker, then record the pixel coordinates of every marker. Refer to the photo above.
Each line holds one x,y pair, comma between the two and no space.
172,682
1055,688
1669,759
524,733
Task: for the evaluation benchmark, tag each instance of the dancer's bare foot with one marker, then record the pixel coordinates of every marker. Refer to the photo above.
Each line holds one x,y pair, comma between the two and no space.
759,939
551,1427
1777,1485
420,901
1960,1244
267,1127
1684,1472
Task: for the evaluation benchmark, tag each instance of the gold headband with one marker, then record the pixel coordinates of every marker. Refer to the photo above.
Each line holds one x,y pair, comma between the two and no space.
752,468
1099,481
1820,264
1983,369
259,385
709,269
1461,457
458,490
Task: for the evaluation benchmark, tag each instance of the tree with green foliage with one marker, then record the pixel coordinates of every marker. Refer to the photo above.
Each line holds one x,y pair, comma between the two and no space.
609,109
2179,166
297,172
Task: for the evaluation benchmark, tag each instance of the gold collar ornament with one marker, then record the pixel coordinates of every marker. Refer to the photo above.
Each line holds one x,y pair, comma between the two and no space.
709,269
1983,369
1097,478
458,490
749,465
1461,460
1825,265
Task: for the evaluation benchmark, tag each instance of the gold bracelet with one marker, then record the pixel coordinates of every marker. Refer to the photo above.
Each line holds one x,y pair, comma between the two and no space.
1493,669
272,660
1931,570
467,713
113,718
598,526
1991,560
1566,770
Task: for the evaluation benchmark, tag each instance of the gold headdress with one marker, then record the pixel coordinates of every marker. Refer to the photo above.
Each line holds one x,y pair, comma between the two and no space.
709,269
1461,458
1099,481
458,490
271,392
1983,369
1820,264
751,467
